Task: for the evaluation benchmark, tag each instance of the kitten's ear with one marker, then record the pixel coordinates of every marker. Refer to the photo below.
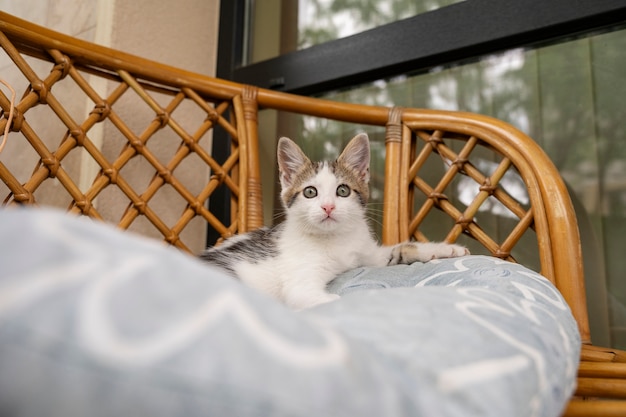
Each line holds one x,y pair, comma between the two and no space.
356,156
290,160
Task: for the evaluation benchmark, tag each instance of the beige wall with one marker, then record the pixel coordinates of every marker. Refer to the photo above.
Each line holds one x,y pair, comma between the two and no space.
181,33
72,17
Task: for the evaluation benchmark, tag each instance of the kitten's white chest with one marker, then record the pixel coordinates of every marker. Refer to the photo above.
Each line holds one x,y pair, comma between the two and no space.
331,254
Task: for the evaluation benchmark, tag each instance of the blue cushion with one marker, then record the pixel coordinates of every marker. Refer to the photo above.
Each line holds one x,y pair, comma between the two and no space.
98,322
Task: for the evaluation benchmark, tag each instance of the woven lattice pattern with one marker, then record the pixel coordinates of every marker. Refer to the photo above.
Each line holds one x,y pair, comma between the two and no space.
458,180
86,154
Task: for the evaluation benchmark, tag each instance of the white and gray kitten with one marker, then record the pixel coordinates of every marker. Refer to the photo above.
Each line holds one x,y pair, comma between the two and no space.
324,234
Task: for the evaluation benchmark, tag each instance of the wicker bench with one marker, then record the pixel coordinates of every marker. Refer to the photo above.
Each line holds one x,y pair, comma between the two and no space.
78,172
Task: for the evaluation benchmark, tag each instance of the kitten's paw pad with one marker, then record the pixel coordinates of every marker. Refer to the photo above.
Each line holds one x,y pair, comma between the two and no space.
456,250
443,250
409,252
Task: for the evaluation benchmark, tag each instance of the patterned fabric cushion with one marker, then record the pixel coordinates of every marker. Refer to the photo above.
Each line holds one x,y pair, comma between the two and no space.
98,322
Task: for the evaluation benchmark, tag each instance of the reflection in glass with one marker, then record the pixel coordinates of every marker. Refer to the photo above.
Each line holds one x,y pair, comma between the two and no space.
321,21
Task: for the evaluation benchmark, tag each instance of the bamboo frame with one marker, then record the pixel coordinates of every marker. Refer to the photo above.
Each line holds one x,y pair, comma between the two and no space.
412,136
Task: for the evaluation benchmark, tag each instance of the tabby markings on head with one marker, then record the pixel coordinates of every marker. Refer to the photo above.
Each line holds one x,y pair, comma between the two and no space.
312,169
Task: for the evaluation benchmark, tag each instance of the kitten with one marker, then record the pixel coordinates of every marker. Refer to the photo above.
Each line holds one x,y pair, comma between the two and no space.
324,234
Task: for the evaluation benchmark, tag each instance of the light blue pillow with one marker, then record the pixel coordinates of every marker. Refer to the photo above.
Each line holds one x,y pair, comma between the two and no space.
98,322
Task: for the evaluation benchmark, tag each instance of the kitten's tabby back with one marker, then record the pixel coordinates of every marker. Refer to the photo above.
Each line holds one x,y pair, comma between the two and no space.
325,232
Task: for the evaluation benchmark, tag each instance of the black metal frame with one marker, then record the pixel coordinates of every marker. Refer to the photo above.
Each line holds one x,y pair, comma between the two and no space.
230,51
451,34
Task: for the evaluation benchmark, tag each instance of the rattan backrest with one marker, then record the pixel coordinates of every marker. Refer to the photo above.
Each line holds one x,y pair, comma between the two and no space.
130,164
430,156
508,173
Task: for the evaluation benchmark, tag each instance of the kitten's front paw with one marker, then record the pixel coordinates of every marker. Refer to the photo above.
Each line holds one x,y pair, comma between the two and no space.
409,252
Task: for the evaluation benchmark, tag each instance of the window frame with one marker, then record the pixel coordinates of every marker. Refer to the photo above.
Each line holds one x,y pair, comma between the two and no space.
454,33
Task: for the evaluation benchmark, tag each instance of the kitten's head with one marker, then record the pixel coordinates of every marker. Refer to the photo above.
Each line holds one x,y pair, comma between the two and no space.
325,196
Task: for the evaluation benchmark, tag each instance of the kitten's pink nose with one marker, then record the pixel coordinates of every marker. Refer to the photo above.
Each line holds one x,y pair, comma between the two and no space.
328,208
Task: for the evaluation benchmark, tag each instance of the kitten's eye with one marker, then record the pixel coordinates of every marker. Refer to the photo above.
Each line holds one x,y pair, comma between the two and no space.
343,190
309,192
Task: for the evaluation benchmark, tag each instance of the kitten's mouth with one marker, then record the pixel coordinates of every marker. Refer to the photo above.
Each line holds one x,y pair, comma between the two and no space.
328,218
